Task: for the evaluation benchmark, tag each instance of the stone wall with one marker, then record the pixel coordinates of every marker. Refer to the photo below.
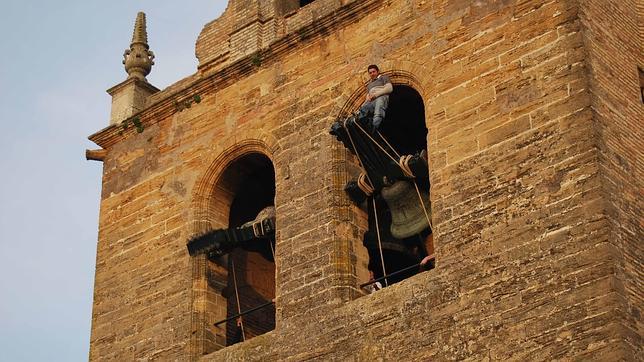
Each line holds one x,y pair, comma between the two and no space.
536,249
613,34
251,26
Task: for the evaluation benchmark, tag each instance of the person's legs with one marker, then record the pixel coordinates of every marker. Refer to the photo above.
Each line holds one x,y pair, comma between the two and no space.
366,109
380,106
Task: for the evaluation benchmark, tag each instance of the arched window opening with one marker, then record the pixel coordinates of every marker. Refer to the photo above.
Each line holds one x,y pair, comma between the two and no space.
404,129
253,263
239,252
404,125
393,187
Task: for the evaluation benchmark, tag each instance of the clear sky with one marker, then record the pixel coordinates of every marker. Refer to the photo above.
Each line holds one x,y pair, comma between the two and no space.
57,58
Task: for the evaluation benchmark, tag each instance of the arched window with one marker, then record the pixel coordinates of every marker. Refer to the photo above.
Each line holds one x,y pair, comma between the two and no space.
238,250
404,125
253,282
405,131
393,188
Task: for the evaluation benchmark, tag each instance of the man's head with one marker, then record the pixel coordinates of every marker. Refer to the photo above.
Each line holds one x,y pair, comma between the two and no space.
373,71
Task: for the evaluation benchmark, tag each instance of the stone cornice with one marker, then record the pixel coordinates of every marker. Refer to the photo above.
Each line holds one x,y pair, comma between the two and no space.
136,81
208,78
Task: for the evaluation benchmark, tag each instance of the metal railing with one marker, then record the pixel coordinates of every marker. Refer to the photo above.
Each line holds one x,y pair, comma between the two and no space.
411,267
244,313
397,272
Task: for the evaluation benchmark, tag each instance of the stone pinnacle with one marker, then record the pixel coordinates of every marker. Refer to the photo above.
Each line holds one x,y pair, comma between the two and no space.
138,59
140,34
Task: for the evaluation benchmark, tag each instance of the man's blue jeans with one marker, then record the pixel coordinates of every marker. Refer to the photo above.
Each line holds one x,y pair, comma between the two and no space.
377,108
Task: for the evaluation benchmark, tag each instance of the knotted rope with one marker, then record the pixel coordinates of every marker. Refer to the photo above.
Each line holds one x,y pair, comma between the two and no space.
364,185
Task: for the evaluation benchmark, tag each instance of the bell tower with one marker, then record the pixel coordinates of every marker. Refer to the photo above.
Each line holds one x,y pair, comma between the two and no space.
516,127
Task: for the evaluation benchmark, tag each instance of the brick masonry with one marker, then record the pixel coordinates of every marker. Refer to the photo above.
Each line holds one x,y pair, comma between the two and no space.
535,145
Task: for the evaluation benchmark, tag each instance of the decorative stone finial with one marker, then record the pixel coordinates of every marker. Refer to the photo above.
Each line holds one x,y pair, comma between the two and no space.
139,58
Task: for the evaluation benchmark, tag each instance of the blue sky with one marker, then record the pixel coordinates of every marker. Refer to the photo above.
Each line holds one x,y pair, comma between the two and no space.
56,61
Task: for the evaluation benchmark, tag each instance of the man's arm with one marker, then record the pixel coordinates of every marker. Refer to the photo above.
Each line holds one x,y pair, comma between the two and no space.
381,91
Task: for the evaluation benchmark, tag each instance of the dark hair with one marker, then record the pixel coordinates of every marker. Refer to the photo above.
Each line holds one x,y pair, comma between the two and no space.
373,66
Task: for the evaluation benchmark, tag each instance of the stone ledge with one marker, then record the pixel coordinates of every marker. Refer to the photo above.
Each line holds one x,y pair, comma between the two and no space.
279,343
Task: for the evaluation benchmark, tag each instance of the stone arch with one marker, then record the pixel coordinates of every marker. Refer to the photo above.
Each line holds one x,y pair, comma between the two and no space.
202,196
211,208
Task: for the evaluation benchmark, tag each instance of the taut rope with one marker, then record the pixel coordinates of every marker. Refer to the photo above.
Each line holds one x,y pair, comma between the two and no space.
241,320
382,258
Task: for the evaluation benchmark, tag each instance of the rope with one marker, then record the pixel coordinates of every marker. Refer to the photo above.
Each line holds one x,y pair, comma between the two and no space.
388,144
420,197
355,150
375,142
272,249
404,166
241,320
364,185
382,258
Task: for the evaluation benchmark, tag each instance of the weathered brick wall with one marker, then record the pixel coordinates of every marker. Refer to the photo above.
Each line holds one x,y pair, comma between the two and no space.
528,265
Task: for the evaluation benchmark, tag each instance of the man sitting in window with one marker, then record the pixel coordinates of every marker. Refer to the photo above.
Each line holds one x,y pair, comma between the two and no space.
378,90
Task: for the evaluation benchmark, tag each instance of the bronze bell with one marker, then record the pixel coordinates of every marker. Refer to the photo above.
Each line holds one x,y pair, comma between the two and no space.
407,215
